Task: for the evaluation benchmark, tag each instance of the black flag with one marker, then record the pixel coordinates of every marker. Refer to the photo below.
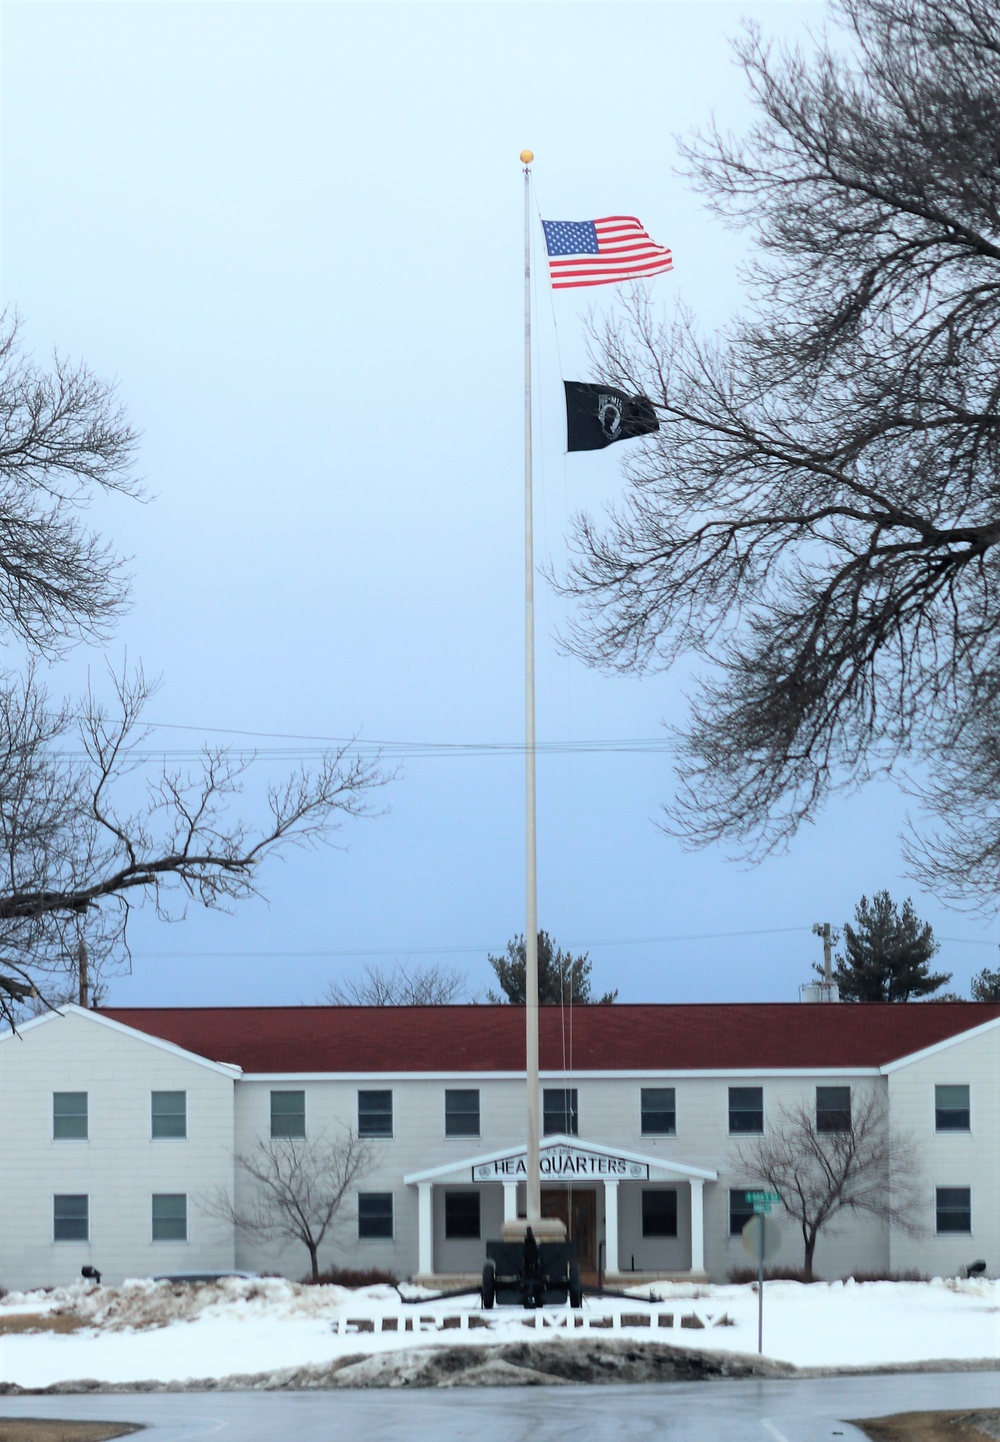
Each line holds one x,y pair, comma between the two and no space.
597,416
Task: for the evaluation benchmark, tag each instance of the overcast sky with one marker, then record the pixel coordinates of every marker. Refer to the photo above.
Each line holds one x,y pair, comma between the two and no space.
293,233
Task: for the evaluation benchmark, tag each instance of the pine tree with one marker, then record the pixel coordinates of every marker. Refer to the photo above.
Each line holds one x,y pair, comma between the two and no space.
887,953
561,977
986,985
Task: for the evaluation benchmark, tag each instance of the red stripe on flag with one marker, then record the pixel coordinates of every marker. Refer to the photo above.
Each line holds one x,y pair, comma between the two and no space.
574,280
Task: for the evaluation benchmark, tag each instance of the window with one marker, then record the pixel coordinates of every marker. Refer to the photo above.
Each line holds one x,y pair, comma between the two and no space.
833,1109
951,1109
71,1219
659,1214
170,1217
169,1114
740,1211
659,1111
461,1214
375,1214
560,1111
69,1116
288,1114
375,1115
746,1109
954,1209
461,1114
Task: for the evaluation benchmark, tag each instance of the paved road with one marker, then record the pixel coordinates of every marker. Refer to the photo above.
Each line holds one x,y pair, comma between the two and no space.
793,1411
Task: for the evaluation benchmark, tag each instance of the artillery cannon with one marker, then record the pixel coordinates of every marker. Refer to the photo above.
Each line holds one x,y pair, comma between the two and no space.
531,1274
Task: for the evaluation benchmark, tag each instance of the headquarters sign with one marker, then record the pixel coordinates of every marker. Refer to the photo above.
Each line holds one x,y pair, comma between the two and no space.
562,1164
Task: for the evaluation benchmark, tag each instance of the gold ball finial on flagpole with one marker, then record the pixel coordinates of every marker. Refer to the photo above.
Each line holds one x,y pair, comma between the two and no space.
527,156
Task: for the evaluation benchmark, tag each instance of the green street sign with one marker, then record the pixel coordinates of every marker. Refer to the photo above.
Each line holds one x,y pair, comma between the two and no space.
761,1209
769,1197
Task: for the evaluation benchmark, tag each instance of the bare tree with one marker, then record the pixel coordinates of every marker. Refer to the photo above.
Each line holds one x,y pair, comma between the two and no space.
859,1167
818,518
398,985
86,833
88,823
63,435
298,1188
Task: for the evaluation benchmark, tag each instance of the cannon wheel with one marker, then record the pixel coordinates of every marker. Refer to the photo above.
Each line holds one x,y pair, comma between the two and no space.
489,1292
575,1286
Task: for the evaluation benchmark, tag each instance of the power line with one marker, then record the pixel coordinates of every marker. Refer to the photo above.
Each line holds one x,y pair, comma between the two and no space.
401,749
488,946
471,950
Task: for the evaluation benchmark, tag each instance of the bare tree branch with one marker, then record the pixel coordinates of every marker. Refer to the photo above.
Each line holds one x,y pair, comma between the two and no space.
83,833
63,436
87,825
398,985
817,520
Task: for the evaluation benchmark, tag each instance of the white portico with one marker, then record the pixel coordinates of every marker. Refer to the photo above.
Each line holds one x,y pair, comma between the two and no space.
637,1206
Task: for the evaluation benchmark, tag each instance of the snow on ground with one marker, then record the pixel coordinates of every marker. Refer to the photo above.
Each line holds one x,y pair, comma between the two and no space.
145,1330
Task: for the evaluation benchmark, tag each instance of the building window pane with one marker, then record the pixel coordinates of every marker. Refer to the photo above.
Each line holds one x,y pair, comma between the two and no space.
746,1109
375,1114
461,1114
170,1217
560,1112
461,1214
659,1214
740,1211
288,1114
70,1219
375,1214
659,1111
951,1108
954,1209
833,1109
69,1116
169,1114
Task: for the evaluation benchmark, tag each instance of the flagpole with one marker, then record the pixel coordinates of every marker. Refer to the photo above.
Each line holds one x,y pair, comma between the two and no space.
533,1158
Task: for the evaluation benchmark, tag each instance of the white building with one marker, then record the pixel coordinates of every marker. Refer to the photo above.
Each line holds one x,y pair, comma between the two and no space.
117,1125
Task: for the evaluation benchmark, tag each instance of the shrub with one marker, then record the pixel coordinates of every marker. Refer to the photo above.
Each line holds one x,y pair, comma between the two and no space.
908,1275
740,1276
351,1277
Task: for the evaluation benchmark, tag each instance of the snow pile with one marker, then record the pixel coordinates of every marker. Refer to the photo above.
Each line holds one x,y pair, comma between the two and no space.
272,1332
143,1303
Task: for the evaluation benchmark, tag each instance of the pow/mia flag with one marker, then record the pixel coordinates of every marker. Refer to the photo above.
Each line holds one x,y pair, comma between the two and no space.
597,416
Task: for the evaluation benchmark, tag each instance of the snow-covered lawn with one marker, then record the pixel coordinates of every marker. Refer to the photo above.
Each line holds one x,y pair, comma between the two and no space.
145,1331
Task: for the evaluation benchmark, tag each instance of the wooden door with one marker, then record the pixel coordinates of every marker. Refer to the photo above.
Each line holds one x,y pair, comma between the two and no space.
577,1210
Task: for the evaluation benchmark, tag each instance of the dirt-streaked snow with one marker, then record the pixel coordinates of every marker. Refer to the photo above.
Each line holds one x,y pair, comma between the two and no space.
145,1331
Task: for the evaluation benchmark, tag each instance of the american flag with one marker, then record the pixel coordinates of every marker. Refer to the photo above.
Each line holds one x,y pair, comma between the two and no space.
601,252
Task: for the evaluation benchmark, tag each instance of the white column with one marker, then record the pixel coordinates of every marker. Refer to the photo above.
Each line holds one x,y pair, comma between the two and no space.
425,1228
611,1224
697,1224
510,1201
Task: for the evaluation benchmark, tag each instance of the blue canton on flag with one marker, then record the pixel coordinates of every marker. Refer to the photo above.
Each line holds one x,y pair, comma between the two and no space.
570,237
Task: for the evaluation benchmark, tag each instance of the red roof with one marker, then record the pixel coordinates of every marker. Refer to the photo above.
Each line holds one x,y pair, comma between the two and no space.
757,1036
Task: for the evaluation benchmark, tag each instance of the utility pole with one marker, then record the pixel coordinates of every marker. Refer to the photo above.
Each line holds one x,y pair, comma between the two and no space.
81,956
824,930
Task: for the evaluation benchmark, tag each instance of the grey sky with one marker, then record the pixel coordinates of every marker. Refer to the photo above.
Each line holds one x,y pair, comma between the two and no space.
293,233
